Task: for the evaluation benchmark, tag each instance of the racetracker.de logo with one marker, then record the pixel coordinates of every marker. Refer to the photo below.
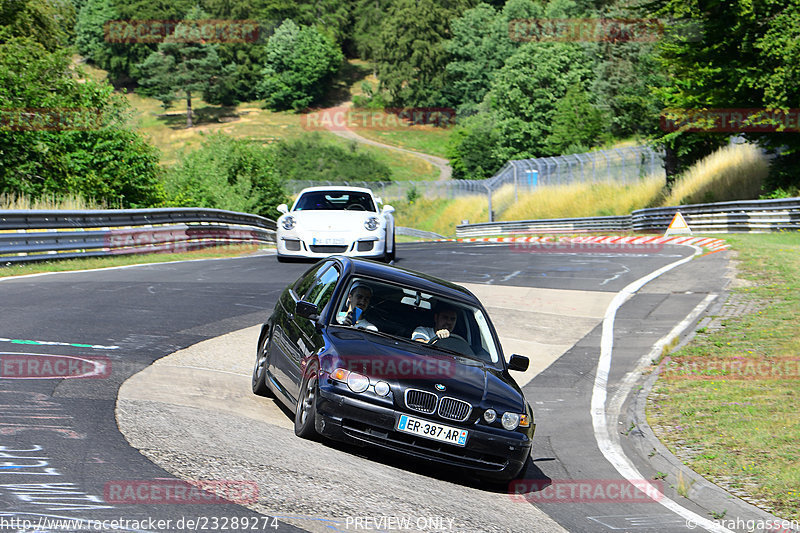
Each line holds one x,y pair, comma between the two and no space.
50,119
400,366
182,31
583,30
739,368
46,366
564,244
176,491
586,491
732,120
390,118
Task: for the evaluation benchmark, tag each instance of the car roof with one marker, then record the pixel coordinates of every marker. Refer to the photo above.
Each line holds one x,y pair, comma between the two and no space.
335,188
402,276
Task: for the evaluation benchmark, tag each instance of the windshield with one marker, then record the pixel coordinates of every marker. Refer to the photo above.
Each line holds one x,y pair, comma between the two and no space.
335,201
417,317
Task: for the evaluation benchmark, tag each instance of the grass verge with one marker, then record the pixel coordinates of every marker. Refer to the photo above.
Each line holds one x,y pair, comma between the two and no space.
727,403
65,265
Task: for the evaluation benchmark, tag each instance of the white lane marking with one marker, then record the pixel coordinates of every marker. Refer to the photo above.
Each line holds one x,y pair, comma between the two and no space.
637,521
515,273
40,274
610,450
55,343
624,270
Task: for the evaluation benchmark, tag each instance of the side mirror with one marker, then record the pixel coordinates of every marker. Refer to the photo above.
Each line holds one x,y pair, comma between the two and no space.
519,363
387,209
283,208
307,310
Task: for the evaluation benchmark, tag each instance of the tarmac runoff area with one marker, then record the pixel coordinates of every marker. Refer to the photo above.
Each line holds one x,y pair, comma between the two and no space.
193,414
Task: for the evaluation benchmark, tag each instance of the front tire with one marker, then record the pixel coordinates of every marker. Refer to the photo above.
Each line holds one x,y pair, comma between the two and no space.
306,413
259,381
389,256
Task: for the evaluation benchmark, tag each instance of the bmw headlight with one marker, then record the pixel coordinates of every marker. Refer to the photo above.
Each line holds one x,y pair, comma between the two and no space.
288,222
372,223
357,382
382,388
510,421
490,416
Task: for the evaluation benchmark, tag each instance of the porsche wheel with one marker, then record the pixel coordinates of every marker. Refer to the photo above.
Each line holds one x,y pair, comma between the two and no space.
389,256
306,412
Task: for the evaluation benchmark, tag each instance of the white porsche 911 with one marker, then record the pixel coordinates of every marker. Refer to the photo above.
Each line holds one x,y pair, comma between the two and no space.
336,220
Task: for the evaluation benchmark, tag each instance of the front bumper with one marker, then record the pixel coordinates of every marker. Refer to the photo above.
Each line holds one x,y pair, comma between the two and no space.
297,246
493,454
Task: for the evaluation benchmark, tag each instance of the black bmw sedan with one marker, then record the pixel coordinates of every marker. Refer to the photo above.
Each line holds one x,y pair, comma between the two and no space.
377,355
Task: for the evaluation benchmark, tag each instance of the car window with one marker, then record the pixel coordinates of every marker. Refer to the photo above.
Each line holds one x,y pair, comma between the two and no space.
400,310
322,289
304,283
334,201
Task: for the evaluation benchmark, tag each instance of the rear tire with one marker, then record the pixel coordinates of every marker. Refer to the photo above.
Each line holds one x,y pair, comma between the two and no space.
259,381
306,413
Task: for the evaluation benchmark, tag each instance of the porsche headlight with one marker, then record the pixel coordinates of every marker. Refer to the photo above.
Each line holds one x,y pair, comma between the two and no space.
510,421
372,223
288,222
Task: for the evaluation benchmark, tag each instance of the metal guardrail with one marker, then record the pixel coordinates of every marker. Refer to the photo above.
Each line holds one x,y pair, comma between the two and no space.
418,233
746,216
41,235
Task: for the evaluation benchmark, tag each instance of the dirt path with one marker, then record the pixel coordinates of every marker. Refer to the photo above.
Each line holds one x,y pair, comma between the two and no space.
445,170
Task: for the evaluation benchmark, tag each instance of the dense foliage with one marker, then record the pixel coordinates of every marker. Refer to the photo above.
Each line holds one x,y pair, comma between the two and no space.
226,173
521,88
61,134
739,54
311,158
299,65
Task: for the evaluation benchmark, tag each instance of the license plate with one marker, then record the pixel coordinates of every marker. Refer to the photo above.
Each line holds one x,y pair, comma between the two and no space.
328,241
432,430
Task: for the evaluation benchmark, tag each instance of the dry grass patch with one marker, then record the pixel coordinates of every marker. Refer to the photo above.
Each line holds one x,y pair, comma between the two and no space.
584,200
49,202
734,172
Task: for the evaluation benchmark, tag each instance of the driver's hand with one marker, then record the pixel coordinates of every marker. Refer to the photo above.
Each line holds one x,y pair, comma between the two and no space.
349,319
443,333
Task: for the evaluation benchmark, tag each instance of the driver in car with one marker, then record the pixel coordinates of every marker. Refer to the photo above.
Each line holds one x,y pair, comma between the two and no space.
357,303
444,321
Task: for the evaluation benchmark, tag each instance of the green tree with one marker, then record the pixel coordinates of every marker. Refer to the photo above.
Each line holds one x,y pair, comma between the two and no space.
480,44
300,64
739,54
182,66
368,16
473,148
526,90
410,50
227,173
78,140
578,125
48,23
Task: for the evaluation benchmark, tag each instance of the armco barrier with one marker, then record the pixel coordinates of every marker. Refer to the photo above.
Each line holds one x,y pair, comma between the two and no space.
40,235
746,216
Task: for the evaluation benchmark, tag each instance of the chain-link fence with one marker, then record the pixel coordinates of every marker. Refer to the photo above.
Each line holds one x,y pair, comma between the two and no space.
626,165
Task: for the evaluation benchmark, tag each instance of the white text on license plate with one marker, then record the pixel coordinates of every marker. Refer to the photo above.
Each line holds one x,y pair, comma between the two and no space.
432,430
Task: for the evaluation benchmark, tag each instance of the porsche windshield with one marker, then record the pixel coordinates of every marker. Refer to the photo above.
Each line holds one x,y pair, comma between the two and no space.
415,316
335,201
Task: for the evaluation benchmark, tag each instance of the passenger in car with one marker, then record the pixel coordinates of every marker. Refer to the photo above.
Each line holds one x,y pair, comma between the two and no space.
444,322
357,303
